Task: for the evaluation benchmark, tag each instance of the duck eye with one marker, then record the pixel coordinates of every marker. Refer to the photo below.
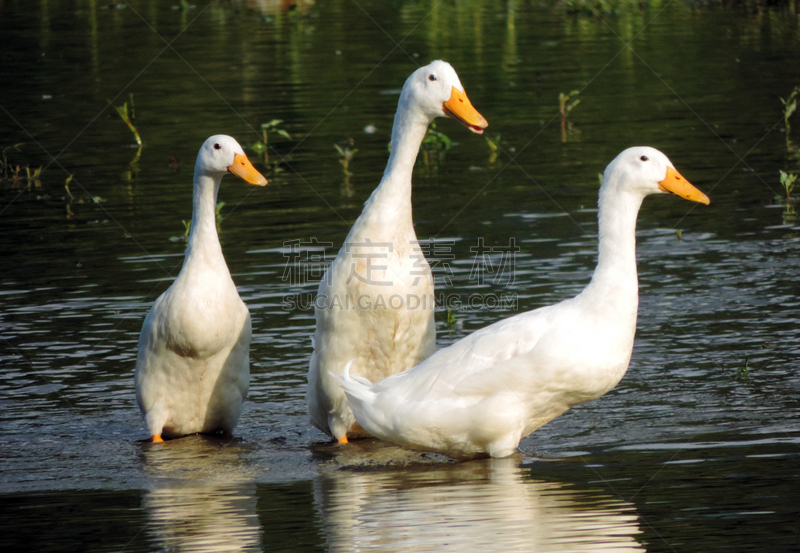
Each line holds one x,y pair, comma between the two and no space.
643,158
431,77
217,146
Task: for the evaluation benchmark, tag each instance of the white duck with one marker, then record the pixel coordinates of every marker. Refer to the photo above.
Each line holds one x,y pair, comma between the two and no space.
375,304
481,395
193,366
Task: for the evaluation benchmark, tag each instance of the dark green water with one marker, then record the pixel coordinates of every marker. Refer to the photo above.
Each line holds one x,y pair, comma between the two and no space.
691,451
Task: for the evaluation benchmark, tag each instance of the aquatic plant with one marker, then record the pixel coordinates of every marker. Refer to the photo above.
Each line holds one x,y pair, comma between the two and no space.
434,145
787,181
450,319
34,178
345,157
742,373
436,140
66,187
789,107
187,225
494,148
600,7
128,115
218,211
262,147
566,103
5,157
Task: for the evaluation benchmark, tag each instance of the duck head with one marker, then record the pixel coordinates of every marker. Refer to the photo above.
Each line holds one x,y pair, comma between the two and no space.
221,154
436,90
649,171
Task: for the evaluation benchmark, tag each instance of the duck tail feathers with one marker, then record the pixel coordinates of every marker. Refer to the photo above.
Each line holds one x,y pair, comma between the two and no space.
357,388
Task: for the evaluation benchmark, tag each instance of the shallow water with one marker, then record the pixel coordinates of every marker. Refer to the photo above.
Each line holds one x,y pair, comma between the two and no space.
697,449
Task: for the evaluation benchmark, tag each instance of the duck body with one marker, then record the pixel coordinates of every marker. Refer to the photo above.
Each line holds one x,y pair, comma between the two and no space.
481,395
365,318
375,305
193,365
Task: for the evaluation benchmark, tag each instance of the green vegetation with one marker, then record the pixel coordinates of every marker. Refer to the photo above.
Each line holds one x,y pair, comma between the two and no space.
787,181
743,372
187,225
345,157
5,157
66,187
566,103
14,172
262,147
128,115
71,200
450,319
789,212
218,211
598,8
789,107
494,148
434,146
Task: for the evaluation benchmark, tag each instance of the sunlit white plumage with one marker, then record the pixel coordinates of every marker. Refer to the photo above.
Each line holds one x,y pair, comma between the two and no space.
193,366
375,303
481,395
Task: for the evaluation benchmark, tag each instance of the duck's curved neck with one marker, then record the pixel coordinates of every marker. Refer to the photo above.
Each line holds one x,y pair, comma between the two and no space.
203,240
408,131
616,261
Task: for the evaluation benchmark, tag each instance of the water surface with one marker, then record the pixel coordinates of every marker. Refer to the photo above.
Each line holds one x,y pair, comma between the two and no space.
695,450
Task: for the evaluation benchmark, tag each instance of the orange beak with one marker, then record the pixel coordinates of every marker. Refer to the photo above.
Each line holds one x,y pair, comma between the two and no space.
676,184
459,108
243,169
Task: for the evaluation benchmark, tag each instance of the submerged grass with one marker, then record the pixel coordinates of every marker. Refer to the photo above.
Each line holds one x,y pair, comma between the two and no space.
788,182
789,107
127,113
599,8
345,157
5,157
566,103
262,147
434,146
494,148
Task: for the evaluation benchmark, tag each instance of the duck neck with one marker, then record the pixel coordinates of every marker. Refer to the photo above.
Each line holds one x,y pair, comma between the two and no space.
615,275
408,131
203,243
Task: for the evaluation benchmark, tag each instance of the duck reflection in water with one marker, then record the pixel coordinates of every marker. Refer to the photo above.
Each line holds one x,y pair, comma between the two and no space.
478,505
202,497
